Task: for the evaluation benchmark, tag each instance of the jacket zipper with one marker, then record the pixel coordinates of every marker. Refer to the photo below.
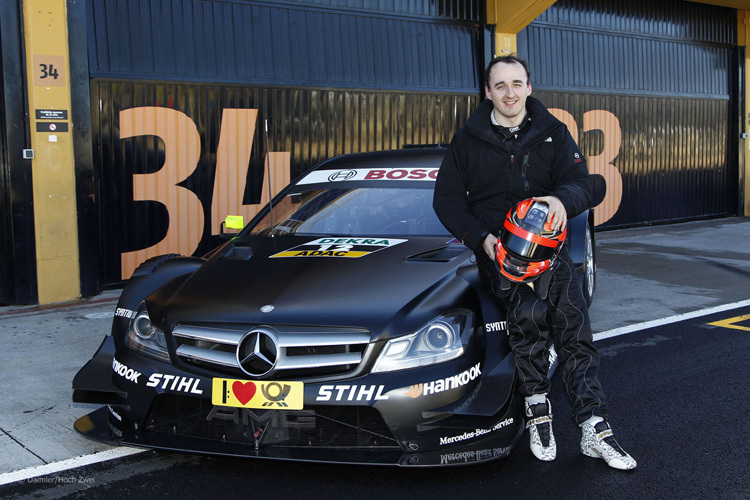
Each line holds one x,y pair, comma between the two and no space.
523,171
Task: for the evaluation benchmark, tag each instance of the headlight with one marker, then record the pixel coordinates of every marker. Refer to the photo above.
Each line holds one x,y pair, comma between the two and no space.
440,340
144,338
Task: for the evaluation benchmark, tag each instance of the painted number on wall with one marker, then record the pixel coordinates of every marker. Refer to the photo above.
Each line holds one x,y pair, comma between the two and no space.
181,155
601,164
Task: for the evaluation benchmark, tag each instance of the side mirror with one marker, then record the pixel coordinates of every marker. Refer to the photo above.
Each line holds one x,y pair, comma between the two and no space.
236,222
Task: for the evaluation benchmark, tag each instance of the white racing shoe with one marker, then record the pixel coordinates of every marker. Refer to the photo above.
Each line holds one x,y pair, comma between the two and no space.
598,441
539,424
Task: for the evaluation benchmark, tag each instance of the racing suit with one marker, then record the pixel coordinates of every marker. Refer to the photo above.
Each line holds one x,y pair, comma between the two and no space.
488,170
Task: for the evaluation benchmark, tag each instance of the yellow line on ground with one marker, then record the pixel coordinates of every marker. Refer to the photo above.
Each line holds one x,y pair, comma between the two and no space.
732,323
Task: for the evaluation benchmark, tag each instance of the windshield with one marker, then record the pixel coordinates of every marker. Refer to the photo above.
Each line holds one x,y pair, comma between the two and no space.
359,211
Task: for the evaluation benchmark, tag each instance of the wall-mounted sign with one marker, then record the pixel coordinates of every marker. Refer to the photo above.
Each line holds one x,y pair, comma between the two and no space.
51,114
51,126
49,70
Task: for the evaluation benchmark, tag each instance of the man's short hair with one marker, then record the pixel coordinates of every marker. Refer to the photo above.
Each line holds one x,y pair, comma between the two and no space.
511,59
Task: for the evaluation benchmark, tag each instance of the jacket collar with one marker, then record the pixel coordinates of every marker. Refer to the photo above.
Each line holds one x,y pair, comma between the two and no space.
541,122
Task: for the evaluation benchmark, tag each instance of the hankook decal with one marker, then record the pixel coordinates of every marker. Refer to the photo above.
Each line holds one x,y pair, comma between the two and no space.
339,247
125,372
444,384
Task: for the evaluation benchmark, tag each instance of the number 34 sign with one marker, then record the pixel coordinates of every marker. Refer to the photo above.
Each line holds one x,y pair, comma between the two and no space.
49,70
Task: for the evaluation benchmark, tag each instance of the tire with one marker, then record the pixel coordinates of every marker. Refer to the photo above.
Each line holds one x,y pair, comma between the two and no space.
589,265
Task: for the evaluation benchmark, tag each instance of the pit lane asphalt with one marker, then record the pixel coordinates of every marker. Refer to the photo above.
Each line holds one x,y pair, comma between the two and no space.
678,392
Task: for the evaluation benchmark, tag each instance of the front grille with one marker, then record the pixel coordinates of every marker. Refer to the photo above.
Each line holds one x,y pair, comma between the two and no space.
303,352
326,427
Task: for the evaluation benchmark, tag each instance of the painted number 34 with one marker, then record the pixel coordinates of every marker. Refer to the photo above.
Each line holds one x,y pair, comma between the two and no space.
181,154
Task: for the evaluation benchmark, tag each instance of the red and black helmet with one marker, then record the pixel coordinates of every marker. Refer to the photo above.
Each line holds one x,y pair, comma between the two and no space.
528,246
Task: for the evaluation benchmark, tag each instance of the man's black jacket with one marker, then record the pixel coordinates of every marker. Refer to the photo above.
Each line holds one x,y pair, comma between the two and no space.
484,174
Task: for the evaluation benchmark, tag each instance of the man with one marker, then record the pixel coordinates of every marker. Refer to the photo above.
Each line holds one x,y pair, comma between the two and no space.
509,150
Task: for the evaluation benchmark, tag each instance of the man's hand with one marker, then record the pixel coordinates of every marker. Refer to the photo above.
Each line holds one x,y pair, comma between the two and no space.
557,216
490,242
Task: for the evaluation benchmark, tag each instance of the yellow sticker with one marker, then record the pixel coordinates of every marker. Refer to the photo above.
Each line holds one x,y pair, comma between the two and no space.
234,222
266,395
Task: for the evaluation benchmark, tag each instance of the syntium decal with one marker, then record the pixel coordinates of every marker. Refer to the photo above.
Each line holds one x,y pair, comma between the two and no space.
339,247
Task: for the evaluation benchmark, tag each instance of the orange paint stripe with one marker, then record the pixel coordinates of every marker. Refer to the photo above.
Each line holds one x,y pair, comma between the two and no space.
529,236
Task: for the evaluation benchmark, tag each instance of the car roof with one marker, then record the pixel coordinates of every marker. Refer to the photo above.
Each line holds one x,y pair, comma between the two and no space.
413,157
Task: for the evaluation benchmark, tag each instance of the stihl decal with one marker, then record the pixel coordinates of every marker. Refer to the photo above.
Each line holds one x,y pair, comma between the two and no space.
174,383
351,393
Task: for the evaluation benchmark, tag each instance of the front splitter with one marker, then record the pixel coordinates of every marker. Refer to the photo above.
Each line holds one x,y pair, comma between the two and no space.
96,426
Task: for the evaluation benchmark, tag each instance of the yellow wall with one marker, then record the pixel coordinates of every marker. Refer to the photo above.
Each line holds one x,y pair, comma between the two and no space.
55,211
743,35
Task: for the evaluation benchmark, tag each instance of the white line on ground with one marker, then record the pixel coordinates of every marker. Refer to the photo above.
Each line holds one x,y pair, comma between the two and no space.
120,452
71,463
666,321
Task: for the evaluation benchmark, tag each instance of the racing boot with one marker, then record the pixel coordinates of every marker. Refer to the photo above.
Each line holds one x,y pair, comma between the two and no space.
598,441
539,424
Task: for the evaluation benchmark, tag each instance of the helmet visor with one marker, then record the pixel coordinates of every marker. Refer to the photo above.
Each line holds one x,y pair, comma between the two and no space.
525,249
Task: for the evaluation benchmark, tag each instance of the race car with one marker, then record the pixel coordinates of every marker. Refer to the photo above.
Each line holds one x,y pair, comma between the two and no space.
342,324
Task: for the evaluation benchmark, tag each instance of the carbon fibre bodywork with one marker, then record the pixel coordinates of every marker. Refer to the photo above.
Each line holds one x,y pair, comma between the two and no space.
371,342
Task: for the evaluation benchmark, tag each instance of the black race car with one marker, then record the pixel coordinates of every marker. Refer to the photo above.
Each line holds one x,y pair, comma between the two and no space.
343,325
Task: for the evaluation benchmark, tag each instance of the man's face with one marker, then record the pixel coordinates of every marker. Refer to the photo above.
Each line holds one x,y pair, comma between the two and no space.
508,89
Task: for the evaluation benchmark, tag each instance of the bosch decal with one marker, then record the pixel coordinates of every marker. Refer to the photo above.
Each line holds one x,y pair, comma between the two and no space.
370,174
342,175
445,384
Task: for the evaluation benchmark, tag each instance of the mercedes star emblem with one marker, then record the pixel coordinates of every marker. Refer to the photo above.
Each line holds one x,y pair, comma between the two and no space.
257,352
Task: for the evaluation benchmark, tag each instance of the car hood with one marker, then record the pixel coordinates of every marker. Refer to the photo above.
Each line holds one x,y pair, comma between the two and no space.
374,283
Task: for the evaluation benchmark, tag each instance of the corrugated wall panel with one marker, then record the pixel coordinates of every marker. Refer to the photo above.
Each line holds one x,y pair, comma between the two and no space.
666,74
671,19
624,64
467,10
402,46
309,124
